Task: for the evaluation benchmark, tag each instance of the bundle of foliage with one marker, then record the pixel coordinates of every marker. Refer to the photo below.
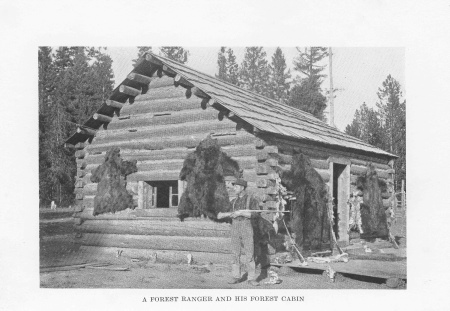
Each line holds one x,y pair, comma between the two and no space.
204,171
309,214
373,216
112,195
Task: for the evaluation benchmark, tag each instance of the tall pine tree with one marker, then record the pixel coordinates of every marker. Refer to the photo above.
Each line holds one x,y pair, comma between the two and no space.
228,68
279,77
254,73
392,109
176,53
307,93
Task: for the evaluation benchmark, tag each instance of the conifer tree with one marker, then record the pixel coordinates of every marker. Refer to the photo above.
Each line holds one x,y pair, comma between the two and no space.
392,109
81,78
254,72
222,64
228,68
307,94
366,125
279,78
176,53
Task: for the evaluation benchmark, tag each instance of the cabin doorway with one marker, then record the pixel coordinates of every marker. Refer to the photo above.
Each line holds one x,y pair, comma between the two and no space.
341,194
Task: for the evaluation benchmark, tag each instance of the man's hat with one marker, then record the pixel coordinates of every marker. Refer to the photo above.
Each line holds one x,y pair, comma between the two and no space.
241,182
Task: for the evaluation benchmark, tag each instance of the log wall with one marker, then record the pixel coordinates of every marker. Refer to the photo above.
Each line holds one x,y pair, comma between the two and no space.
275,151
159,129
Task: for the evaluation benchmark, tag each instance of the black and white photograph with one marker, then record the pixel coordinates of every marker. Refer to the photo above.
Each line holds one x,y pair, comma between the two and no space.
205,155
239,177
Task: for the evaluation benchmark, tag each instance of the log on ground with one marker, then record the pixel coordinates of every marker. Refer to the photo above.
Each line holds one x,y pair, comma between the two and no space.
178,243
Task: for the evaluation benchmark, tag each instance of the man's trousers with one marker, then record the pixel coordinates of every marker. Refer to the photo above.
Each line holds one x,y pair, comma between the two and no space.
242,242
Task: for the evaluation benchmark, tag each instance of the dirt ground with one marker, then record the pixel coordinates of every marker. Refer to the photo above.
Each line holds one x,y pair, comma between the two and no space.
57,249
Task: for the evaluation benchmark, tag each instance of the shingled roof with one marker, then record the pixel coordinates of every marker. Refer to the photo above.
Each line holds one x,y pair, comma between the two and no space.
264,114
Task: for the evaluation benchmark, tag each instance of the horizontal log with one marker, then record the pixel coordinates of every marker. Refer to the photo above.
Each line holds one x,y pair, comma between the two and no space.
139,78
177,164
166,142
167,154
361,171
160,82
128,90
175,257
69,146
86,131
114,104
161,105
149,227
178,117
152,175
160,93
338,160
102,118
152,59
179,243
80,154
382,166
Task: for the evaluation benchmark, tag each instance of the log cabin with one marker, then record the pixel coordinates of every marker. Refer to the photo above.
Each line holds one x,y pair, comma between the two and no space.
158,115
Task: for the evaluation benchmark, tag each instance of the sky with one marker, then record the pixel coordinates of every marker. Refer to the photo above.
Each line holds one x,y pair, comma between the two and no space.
357,72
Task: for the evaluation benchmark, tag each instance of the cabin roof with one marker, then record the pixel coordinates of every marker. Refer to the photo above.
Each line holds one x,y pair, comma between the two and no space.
264,114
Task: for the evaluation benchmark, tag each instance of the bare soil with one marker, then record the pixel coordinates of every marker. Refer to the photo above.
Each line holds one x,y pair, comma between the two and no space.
57,248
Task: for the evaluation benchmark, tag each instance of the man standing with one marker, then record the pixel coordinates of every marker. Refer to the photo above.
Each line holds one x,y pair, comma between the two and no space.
242,232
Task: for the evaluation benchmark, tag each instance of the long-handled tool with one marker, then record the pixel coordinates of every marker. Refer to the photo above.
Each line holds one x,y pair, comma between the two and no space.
295,247
333,236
